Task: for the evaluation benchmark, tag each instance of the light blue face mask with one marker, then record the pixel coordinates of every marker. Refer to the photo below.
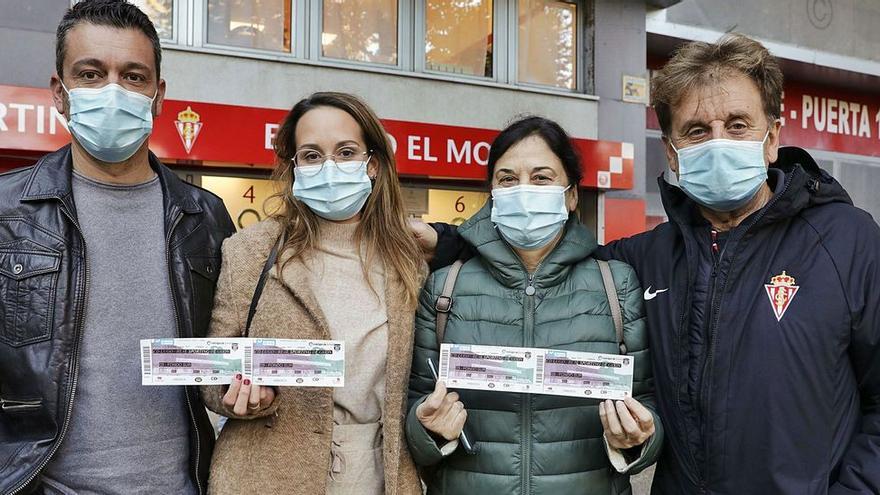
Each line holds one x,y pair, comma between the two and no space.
722,174
528,216
110,122
335,192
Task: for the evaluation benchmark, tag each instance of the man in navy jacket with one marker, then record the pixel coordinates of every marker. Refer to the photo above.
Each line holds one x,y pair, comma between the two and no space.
762,293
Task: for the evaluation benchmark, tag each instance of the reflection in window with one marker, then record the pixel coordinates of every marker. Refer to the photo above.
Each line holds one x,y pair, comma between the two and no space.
459,36
260,24
360,30
860,180
161,12
547,43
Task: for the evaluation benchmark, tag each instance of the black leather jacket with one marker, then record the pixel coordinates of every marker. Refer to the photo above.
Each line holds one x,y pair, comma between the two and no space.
44,285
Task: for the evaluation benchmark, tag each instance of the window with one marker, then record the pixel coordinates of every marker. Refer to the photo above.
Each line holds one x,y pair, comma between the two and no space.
161,12
459,36
860,179
257,24
360,30
532,43
547,43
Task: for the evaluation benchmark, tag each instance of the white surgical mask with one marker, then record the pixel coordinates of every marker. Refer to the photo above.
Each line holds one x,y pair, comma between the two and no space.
722,174
528,216
335,192
110,123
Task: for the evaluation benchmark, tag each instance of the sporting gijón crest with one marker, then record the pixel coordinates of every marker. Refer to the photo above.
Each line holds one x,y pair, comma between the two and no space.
781,291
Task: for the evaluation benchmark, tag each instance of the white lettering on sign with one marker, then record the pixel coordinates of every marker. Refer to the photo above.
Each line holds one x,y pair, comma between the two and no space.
270,133
393,141
876,119
412,147
418,148
836,116
416,144
41,114
468,153
22,115
482,159
462,155
20,111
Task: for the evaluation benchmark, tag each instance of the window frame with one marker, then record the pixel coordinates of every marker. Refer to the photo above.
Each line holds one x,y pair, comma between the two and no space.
178,22
420,39
199,9
579,31
404,38
190,33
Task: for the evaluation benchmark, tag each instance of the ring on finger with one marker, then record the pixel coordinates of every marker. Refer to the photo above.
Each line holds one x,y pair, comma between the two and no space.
253,407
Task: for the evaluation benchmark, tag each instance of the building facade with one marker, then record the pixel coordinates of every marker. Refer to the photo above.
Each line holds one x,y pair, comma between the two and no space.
444,75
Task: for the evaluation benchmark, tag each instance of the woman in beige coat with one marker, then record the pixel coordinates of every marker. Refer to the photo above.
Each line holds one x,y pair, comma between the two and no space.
347,270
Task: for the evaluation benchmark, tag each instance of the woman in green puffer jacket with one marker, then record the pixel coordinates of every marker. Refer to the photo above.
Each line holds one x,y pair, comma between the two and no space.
532,283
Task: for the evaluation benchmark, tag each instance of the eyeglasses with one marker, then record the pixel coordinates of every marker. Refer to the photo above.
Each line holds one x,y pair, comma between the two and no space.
348,159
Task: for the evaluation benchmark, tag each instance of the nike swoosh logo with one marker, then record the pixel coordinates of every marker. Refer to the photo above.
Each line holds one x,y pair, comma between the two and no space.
651,295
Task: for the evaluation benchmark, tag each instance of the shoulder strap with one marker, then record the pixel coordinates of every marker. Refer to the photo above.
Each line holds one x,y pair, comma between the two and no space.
443,305
613,302
258,291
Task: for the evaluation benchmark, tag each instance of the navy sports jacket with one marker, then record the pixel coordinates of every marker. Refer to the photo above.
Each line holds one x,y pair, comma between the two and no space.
784,394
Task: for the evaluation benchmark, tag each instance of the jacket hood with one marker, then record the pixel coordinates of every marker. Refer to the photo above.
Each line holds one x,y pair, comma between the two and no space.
796,180
577,243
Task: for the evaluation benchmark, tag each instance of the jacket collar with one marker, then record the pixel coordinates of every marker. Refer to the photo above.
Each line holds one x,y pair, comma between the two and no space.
51,178
577,243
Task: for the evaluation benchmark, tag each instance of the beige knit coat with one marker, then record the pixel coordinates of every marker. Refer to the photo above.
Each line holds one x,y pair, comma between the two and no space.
286,447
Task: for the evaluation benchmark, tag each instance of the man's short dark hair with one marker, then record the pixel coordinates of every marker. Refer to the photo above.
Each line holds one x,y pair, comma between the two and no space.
113,13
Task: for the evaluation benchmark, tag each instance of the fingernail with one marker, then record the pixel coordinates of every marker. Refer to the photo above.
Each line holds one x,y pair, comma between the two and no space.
247,381
238,376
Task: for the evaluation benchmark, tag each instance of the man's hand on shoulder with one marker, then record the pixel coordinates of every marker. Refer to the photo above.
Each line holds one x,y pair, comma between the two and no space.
425,236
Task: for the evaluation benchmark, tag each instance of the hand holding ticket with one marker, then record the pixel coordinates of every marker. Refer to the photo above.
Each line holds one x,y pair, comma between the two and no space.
274,362
537,371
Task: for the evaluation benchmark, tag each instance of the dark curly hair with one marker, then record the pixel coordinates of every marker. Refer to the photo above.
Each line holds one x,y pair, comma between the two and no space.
552,133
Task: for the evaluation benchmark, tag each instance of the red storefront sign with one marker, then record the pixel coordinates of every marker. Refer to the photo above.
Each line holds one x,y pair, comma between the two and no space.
209,133
820,118
826,119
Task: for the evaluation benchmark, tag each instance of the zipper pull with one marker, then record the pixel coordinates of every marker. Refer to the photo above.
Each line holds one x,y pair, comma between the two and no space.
714,241
530,289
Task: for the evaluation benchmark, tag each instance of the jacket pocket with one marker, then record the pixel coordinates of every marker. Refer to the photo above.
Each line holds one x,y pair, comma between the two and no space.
204,271
28,280
20,405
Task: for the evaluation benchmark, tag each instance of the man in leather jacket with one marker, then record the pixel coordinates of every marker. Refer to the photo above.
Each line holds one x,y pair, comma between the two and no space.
100,246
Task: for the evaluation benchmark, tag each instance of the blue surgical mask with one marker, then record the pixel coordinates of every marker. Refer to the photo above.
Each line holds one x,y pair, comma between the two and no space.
110,122
527,216
722,174
333,191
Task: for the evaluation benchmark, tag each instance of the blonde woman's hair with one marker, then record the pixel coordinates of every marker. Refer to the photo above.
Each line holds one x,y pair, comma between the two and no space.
383,229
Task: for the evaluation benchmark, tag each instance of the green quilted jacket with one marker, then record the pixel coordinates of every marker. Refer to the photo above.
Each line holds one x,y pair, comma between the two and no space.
530,444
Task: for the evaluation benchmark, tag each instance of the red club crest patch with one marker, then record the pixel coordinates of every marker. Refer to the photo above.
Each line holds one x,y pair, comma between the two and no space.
781,291
188,126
